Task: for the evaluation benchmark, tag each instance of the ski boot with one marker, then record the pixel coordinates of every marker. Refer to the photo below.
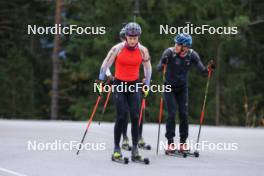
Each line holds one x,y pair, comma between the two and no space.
143,145
125,144
184,147
171,147
172,151
137,158
118,157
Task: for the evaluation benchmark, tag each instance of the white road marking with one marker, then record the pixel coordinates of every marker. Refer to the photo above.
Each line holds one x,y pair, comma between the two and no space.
11,172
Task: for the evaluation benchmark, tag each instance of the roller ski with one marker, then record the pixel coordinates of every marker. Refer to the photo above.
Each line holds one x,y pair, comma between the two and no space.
143,145
117,157
138,158
125,144
184,149
172,151
195,154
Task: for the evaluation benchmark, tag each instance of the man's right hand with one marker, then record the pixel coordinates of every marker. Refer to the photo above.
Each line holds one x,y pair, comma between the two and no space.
211,65
164,60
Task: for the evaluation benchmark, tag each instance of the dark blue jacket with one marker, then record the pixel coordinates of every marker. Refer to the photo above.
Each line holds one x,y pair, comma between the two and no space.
177,67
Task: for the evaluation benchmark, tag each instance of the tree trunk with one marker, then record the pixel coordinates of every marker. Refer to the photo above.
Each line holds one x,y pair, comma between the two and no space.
56,66
218,58
136,9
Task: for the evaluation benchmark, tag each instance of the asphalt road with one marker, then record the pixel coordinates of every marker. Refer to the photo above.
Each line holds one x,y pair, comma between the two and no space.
18,159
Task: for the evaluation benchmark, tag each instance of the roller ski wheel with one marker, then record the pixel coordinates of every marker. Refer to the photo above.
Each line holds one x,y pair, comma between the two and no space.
144,147
184,155
139,159
194,154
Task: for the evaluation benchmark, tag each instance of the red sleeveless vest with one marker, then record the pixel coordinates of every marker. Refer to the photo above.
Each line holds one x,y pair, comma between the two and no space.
127,64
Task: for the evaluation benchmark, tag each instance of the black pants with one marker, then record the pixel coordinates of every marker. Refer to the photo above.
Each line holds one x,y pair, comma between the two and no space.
126,102
124,130
178,96
125,124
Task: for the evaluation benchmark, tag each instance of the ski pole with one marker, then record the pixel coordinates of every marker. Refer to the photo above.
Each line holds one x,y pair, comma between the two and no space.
142,110
204,103
105,104
160,118
160,110
106,101
143,106
89,122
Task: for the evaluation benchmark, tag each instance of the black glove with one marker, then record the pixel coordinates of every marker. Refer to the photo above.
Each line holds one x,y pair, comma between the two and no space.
164,60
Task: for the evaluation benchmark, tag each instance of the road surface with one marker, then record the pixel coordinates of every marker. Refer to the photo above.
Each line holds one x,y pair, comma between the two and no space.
18,159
